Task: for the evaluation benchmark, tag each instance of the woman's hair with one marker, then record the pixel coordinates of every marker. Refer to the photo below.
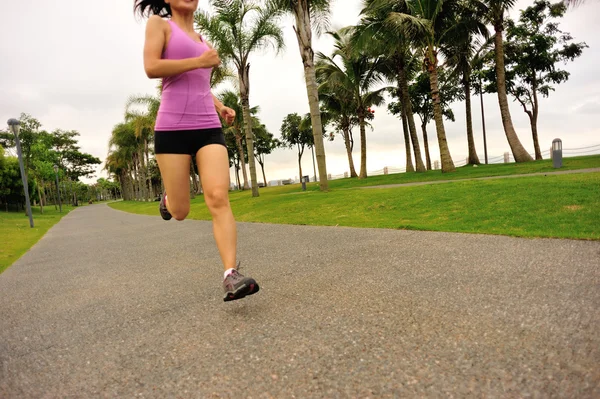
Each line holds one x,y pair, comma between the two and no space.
145,8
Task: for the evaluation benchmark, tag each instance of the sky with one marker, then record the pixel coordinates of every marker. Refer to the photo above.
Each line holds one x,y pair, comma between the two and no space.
72,65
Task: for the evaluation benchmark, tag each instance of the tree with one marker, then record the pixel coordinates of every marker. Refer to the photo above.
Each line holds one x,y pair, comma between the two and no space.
422,103
239,28
265,144
122,158
495,11
460,51
340,110
232,100
11,185
430,23
309,14
534,47
294,134
143,122
356,77
374,36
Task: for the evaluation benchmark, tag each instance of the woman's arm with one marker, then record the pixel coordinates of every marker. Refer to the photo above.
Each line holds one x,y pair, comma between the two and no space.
224,111
218,104
156,67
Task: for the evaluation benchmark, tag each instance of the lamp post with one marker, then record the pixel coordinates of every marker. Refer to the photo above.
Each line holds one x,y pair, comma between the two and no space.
15,126
57,187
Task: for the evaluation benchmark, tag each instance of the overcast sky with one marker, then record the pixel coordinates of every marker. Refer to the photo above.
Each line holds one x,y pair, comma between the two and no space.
73,64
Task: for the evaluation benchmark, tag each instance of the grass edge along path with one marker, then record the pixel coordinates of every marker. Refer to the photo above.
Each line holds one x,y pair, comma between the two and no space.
553,206
18,237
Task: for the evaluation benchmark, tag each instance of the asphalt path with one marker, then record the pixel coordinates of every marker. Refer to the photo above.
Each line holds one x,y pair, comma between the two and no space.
110,304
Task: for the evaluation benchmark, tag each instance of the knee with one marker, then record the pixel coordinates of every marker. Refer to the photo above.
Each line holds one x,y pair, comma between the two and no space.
216,200
179,213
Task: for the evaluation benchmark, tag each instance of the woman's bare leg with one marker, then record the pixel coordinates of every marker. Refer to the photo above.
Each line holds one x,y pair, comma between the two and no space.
213,165
175,172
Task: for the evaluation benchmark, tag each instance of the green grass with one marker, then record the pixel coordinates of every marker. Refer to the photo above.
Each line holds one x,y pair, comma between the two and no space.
564,206
470,172
16,235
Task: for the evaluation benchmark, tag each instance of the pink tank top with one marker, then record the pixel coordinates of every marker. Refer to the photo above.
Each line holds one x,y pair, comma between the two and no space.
186,101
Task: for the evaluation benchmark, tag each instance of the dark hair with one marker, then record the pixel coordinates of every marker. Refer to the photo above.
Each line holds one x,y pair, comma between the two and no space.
145,8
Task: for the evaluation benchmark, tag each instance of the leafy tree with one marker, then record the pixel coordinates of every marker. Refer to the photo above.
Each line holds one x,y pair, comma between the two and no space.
294,134
534,47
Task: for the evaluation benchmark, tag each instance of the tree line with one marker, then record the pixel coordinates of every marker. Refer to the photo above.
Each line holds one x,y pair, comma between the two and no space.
418,56
41,151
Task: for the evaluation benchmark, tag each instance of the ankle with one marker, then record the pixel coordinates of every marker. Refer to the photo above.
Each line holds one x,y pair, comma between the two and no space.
228,272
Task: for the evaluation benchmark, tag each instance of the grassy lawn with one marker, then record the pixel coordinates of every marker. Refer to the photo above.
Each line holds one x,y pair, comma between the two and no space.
16,235
565,206
469,172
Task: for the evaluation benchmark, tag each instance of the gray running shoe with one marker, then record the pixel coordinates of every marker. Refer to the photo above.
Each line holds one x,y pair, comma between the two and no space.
237,286
164,212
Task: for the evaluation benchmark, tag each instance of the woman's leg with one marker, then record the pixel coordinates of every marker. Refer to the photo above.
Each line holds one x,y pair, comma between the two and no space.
175,172
213,165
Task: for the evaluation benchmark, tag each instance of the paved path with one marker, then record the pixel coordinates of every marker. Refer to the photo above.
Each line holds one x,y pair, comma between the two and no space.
426,183
110,304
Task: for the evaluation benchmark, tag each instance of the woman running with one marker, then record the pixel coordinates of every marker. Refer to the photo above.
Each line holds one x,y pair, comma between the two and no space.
188,124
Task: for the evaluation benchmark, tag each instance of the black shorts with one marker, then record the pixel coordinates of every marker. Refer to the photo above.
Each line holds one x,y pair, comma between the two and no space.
186,141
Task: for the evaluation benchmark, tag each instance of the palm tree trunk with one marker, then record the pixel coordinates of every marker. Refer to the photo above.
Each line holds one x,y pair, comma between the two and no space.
408,111
237,175
346,134
447,164
150,190
409,163
426,143
138,181
363,145
193,184
473,158
238,140
244,75
143,179
483,122
519,152
303,31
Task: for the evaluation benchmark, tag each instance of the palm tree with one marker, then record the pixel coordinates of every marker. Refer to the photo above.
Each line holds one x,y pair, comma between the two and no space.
494,14
356,78
143,122
460,52
420,96
121,160
340,110
232,100
429,23
373,36
238,28
305,13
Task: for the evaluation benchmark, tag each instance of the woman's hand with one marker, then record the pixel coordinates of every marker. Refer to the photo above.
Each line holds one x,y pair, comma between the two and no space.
209,59
228,114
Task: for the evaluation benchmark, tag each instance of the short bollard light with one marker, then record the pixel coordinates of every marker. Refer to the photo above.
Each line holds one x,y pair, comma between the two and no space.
557,153
304,181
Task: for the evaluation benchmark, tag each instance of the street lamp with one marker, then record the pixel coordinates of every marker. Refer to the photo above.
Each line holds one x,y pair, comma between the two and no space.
14,126
57,187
